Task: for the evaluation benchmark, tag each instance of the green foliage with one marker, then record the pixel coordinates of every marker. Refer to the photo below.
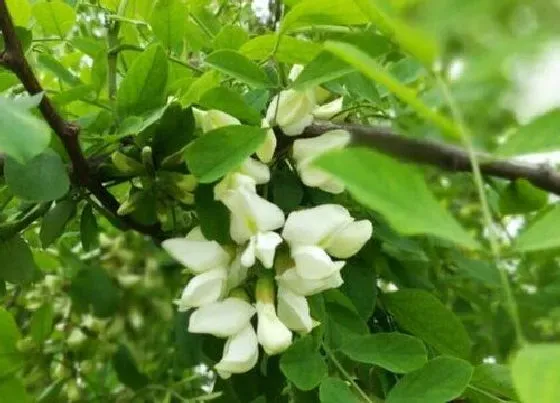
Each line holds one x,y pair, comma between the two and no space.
240,67
55,220
334,390
41,324
537,136
10,357
55,17
16,260
543,233
303,365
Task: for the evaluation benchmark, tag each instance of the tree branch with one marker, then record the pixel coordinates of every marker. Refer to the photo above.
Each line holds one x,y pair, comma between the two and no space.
444,156
13,58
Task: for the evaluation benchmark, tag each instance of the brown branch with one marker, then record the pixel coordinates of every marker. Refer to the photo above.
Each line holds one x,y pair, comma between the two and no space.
444,156
14,59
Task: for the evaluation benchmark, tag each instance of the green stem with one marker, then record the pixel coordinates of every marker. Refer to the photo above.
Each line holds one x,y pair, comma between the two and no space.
487,216
135,48
487,394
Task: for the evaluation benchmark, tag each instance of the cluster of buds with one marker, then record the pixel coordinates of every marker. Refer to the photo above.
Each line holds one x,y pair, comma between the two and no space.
233,283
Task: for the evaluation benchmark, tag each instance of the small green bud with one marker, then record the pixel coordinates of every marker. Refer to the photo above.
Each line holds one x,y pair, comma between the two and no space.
26,344
127,165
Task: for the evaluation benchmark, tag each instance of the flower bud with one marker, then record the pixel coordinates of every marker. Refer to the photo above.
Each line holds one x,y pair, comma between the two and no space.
292,111
348,240
301,286
241,353
213,119
76,338
313,263
272,334
203,289
328,110
126,165
293,311
221,319
266,150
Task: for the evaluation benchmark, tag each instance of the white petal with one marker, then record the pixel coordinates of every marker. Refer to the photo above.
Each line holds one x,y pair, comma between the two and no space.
241,352
272,334
266,244
298,126
292,109
214,119
295,71
350,239
256,170
312,176
293,311
307,149
199,116
196,235
328,110
222,319
266,150
333,186
233,181
313,263
203,289
312,226
290,279
198,256
237,273
248,257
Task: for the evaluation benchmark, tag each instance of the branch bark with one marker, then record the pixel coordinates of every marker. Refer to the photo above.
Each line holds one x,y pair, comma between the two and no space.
13,58
444,156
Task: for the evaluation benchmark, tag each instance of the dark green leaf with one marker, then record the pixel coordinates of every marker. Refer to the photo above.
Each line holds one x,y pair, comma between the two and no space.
395,352
440,380
495,379
126,369
188,345
10,357
92,287
173,131
43,178
423,315
16,261
58,69
231,102
219,151
539,135
334,390
290,50
55,220
143,87
303,365
240,67
42,323
212,214
287,190
89,231
399,192
360,287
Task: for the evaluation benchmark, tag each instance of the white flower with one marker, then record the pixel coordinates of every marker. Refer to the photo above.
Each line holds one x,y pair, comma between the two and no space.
295,72
197,253
305,151
348,240
253,219
241,353
273,335
292,110
237,273
265,152
302,286
203,289
222,319
313,263
247,175
328,110
213,119
293,311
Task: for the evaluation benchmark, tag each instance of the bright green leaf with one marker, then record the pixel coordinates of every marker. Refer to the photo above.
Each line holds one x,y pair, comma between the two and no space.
143,87
520,197
423,315
440,380
290,50
397,190
495,379
323,68
539,135
230,37
13,390
198,88
54,16
42,323
335,390
542,234
10,357
230,102
20,10
535,370
168,22
303,365
55,220
395,352
219,151
240,67
16,261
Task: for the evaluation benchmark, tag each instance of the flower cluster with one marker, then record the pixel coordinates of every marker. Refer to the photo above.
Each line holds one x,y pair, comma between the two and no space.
317,241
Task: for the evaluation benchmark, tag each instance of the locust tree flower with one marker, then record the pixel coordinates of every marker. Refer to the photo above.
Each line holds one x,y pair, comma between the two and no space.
292,110
204,288
313,263
293,311
272,334
241,353
197,253
223,318
265,152
305,151
213,119
328,110
247,175
302,286
253,220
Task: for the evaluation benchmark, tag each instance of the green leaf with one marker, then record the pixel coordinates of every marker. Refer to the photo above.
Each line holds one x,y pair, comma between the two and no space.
343,320
54,16
287,190
440,380
55,220
167,21
33,133
395,352
309,13
535,371
520,197
230,37
58,69
303,365
539,135
143,87
13,390
366,64
334,390
41,324
213,215
10,357
92,287
205,82
398,191
20,11
240,67
89,230
229,101
495,379
544,233
219,151
173,131
290,50
16,261
423,315
126,369
325,67
43,178
360,287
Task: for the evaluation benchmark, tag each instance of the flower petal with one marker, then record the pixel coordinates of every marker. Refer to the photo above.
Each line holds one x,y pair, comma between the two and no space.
292,109
312,226
272,334
198,256
256,170
306,149
221,319
248,257
266,151
241,353
237,273
313,263
350,239
290,279
203,289
265,245
327,111
293,311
